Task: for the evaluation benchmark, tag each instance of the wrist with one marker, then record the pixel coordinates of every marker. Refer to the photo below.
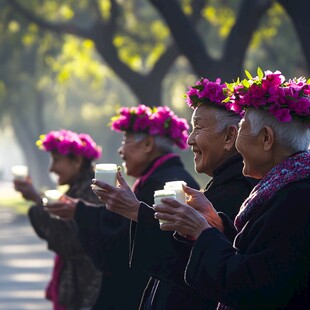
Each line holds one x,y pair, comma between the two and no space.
134,211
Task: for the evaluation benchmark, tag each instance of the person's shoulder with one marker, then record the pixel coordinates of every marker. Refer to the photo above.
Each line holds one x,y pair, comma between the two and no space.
292,198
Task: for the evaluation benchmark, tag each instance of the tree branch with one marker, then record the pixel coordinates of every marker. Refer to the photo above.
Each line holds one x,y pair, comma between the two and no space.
185,35
298,11
236,45
58,28
94,4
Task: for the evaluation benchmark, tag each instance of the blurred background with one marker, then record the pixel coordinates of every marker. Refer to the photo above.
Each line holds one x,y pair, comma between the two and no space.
71,64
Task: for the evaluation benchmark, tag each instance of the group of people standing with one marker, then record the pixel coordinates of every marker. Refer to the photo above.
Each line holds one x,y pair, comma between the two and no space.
241,243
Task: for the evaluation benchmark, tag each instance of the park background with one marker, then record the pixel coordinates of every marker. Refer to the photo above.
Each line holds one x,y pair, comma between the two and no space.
72,64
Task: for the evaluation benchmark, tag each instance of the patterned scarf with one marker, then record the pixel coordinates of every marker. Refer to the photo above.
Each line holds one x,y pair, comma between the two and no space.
293,169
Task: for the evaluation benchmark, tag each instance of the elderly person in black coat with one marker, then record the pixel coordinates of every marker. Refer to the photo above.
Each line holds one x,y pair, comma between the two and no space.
213,143
147,150
267,265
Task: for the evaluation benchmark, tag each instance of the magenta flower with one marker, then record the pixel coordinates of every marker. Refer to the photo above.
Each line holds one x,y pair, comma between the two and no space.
284,100
272,79
67,142
153,121
206,92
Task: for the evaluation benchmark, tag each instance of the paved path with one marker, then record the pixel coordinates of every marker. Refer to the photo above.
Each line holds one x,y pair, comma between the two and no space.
25,265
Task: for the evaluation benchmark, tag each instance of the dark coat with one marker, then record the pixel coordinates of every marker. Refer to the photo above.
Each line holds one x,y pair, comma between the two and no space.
269,265
160,255
106,237
79,279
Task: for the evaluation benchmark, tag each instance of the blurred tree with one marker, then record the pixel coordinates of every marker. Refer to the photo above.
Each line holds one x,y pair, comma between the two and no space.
78,51
22,91
137,46
241,20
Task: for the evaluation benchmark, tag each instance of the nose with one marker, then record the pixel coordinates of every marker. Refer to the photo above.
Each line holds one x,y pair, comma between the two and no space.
120,150
191,139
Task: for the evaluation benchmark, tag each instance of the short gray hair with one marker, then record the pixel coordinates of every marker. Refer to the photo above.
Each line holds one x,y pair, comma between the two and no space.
294,135
164,144
225,118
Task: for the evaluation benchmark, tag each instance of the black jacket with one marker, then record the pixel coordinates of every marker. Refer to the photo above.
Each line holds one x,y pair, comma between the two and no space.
107,240
269,265
164,259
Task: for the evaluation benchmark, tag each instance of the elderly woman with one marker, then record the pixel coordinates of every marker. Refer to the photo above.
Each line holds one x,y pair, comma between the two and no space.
147,151
75,280
212,140
268,264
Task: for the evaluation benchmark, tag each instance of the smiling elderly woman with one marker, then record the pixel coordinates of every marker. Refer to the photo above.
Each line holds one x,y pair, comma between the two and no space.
268,264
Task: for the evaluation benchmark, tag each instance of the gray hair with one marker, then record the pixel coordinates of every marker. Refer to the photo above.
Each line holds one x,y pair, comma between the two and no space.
163,144
225,118
294,135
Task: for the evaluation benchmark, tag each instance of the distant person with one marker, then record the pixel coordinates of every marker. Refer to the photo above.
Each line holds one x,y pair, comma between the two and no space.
213,136
267,265
75,281
147,151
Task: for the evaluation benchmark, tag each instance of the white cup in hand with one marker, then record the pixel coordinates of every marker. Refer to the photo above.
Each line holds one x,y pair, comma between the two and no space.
20,172
159,195
105,173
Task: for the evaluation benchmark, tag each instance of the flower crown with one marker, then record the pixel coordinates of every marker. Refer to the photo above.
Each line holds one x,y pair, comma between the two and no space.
270,91
67,142
153,121
207,92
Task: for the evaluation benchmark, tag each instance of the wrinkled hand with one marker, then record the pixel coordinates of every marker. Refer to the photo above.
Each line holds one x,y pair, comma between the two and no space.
26,188
181,218
64,208
118,199
199,202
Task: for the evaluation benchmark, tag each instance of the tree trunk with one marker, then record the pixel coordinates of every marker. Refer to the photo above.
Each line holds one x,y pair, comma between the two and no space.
298,10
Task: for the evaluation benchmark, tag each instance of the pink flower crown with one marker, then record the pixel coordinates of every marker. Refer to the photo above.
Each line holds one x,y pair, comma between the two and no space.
207,92
153,121
67,142
269,91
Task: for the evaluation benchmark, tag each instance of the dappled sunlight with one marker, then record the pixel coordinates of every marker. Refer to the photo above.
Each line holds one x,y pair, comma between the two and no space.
17,294
18,249
28,263
27,277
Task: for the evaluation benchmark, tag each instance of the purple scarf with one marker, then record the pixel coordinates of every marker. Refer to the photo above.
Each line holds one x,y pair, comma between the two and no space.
293,169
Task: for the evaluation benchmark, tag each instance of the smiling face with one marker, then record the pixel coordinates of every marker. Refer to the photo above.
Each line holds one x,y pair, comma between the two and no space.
206,142
134,155
251,149
66,168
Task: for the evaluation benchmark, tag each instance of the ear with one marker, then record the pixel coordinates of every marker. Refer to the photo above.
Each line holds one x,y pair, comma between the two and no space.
230,137
268,138
149,144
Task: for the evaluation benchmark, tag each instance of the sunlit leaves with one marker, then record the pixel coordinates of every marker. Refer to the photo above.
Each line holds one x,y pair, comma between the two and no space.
269,25
105,6
222,18
13,26
77,59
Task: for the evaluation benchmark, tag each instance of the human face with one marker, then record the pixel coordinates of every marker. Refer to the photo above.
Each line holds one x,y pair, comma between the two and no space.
134,158
205,141
66,168
248,146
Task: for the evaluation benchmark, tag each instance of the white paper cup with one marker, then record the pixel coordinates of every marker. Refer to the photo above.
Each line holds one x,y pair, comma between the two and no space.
106,173
52,195
159,195
177,187
20,172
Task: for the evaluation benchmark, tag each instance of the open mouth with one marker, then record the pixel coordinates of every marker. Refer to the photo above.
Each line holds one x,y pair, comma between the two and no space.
196,153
